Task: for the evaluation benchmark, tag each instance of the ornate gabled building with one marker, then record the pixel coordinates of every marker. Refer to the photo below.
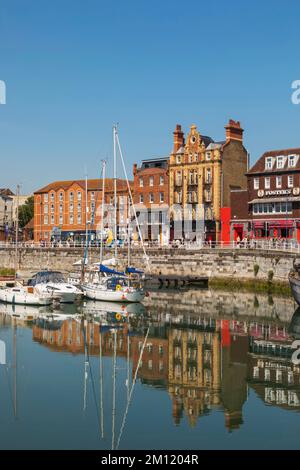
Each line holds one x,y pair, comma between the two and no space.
203,172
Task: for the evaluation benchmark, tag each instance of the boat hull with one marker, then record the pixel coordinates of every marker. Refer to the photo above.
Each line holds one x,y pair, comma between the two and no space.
295,287
23,298
95,293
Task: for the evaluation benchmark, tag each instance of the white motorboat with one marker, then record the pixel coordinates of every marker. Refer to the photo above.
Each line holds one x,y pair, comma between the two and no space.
52,282
25,295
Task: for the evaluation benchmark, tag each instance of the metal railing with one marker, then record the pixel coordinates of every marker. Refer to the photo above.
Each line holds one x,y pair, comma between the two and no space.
291,246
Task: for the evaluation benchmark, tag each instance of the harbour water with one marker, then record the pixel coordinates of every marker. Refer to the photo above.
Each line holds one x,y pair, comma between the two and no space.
191,369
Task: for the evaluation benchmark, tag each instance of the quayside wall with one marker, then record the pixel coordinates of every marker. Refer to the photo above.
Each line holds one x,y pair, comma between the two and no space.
211,263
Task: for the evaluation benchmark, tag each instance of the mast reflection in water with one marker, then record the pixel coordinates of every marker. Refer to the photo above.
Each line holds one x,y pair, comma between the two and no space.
193,369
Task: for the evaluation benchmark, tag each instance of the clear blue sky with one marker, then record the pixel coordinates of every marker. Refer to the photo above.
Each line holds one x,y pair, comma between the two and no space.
75,67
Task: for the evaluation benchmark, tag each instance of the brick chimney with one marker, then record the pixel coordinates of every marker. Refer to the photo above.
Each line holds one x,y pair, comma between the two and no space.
134,169
234,131
178,138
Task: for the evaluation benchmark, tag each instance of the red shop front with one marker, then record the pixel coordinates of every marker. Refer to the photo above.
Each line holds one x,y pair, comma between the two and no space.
238,231
282,228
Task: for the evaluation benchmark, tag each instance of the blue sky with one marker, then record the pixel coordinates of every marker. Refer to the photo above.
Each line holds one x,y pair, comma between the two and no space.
74,67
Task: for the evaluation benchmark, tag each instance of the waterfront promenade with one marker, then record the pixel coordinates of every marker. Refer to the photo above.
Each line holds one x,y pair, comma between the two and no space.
264,263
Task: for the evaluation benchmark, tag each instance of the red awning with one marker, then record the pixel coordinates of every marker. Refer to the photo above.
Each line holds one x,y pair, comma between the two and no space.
258,224
281,223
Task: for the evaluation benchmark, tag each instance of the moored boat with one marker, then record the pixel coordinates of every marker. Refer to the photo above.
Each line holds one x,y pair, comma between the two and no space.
25,295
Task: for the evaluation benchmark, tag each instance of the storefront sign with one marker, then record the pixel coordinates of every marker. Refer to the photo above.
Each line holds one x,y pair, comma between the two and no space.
277,192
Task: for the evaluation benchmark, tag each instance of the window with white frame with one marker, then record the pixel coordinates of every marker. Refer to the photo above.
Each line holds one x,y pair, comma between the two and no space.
190,158
45,197
178,159
161,197
151,198
60,208
46,209
292,161
267,182
208,155
280,162
161,180
141,198
269,163
52,197
290,181
52,219
151,181
61,196
92,195
79,195
52,208
278,181
71,207
141,181
71,196
71,219
61,219
45,220
256,183
79,218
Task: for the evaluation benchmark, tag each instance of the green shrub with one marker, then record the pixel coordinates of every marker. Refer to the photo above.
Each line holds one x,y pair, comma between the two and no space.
270,275
256,269
7,272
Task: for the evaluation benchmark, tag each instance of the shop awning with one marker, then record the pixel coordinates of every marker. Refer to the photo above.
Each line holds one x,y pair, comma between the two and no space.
275,199
274,223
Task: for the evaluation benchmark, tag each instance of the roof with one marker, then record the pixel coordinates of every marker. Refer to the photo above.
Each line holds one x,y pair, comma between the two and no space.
6,192
92,184
207,140
259,166
155,163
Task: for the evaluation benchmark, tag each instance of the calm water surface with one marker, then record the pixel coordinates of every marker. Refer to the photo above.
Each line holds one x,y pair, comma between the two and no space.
192,369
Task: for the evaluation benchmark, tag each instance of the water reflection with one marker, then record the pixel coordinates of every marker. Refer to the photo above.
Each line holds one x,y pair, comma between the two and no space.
207,350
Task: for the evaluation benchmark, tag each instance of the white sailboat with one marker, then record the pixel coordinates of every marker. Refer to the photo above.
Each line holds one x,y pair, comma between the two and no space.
109,284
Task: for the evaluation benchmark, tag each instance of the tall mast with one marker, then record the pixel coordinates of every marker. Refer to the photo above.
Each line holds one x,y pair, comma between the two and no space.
86,211
17,231
115,190
102,210
128,232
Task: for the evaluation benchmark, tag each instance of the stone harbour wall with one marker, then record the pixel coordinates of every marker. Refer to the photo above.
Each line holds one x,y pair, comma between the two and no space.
225,263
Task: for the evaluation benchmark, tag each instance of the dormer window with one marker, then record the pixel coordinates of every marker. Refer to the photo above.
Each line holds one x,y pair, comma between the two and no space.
190,158
208,155
292,161
269,163
178,159
280,162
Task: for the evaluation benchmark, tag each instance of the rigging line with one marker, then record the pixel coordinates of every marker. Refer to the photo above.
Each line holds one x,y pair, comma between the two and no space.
91,374
132,202
89,232
132,388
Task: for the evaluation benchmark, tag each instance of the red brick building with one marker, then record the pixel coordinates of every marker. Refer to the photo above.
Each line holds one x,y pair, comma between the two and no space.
270,208
151,197
60,208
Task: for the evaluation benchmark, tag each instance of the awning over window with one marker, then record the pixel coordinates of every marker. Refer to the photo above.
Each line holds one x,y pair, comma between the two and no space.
274,199
274,223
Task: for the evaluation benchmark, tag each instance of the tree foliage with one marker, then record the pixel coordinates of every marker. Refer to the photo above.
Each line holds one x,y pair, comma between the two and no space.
26,212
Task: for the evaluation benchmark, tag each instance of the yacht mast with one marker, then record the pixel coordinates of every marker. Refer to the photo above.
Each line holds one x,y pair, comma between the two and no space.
102,209
17,232
115,190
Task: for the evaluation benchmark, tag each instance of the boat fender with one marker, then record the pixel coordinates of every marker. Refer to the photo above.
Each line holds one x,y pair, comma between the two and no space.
123,297
118,287
118,316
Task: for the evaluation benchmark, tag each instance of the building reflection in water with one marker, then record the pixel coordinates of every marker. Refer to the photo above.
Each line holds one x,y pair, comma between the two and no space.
204,361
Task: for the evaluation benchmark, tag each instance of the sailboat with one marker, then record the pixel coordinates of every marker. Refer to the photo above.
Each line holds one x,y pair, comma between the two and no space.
111,285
